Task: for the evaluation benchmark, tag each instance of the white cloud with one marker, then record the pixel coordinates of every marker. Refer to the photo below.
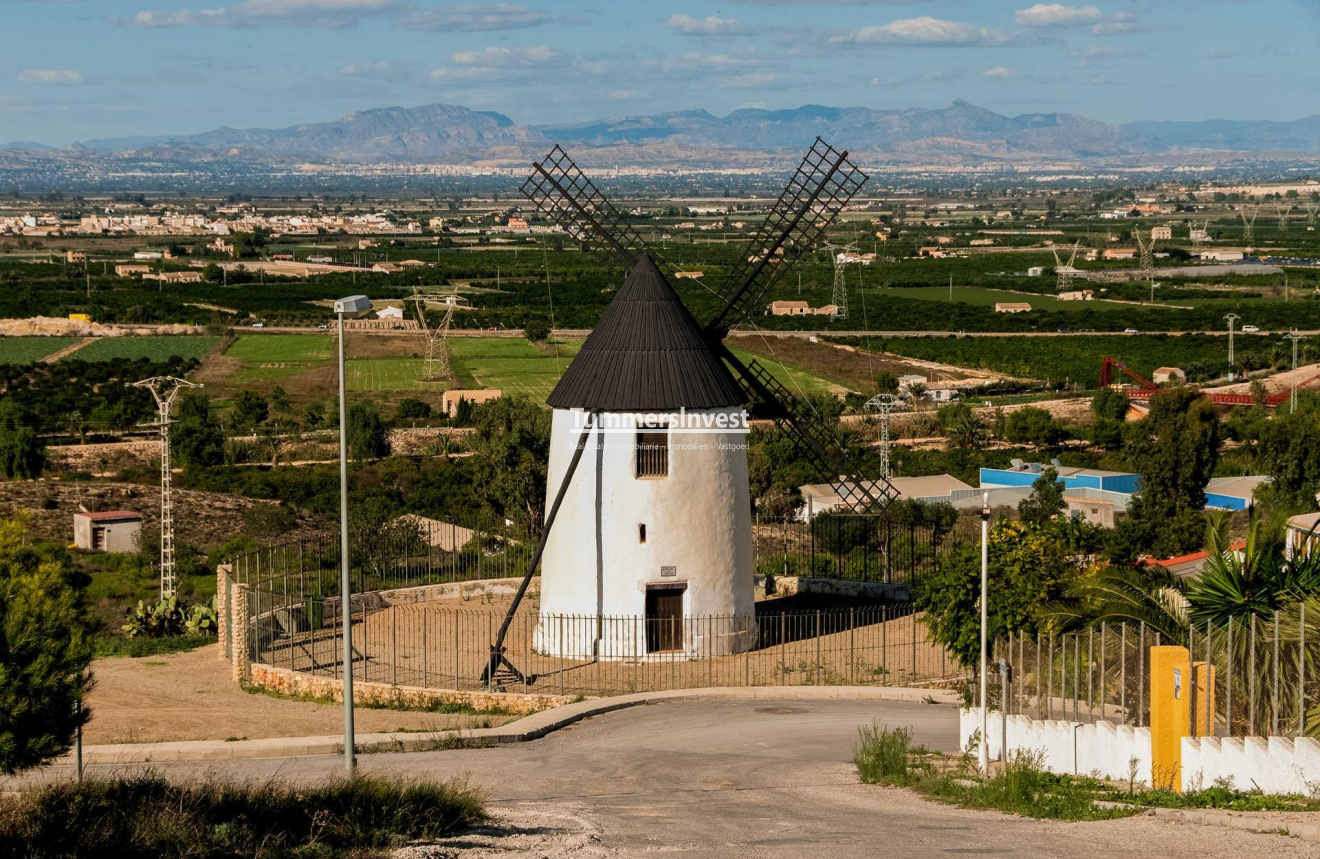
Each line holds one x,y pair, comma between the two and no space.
475,17
711,25
367,69
622,94
926,32
998,72
504,58
338,14
746,81
1057,15
56,77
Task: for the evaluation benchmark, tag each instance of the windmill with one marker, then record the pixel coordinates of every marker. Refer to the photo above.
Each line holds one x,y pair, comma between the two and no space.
1066,271
1200,236
838,256
1249,226
1146,247
1285,210
436,366
657,530
164,390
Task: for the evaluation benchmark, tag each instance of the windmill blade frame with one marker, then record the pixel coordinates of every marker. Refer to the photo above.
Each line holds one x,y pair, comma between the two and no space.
569,199
823,184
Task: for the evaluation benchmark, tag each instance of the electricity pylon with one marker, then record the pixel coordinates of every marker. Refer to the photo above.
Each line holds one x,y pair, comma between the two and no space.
1231,318
436,366
840,297
1200,236
164,389
1065,271
1295,338
1312,210
1249,226
1147,249
1285,211
884,404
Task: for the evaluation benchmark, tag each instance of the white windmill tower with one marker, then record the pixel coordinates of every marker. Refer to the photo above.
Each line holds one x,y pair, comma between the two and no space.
647,535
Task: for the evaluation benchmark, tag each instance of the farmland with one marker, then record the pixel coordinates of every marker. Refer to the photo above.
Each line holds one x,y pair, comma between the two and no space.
984,297
511,364
152,348
26,350
1073,359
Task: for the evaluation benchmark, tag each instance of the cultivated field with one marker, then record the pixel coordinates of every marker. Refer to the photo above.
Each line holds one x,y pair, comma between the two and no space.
983,297
27,350
511,364
153,348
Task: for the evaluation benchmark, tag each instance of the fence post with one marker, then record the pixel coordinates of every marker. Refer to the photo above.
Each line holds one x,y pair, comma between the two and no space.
458,617
817,672
1274,697
1228,687
1141,676
852,650
1251,679
1301,671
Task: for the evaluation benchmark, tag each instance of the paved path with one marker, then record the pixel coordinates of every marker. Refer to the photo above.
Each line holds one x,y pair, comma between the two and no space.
741,779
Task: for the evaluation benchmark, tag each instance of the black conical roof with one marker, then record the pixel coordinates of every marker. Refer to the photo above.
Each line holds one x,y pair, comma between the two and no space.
646,354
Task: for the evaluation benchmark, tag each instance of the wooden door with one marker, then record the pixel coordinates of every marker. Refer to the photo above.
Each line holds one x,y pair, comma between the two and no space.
664,619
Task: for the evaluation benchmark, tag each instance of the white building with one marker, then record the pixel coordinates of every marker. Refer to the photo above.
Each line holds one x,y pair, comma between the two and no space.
389,312
654,535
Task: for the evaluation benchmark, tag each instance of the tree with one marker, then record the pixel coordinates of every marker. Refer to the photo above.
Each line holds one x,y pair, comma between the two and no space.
249,410
1289,452
963,430
212,273
1108,403
512,443
45,651
368,437
412,409
1034,426
196,437
22,455
1028,567
1175,449
537,330
1045,501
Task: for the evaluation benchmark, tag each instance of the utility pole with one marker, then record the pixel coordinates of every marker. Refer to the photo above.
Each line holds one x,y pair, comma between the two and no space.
1232,317
1295,338
884,404
164,389
983,752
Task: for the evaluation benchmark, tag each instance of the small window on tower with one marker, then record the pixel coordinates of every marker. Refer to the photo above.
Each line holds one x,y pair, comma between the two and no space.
641,532
653,454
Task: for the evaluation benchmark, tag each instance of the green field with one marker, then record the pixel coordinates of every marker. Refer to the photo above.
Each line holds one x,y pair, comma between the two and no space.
982,297
796,379
269,357
511,364
27,350
388,374
153,348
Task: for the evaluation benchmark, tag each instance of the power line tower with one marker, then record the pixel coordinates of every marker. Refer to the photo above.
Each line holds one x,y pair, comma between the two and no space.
1230,319
884,404
1147,250
1249,226
1285,210
164,389
1312,210
1200,236
838,255
436,366
1066,271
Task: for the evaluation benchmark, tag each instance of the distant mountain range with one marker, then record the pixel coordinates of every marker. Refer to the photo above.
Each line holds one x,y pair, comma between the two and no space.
959,133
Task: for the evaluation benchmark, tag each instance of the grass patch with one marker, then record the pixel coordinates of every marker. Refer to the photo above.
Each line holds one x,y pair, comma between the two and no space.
115,645
148,816
448,707
1022,786
158,348
512,364
1219,796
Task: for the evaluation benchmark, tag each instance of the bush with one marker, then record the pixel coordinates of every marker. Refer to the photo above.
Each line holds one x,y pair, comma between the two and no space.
170,617
46,649
881,755
137,817
412,409
265,521
537,330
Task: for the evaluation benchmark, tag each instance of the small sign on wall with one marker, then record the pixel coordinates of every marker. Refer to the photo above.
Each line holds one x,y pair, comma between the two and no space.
668,572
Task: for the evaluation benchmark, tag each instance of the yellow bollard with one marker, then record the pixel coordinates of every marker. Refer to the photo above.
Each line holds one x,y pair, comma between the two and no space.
1170,713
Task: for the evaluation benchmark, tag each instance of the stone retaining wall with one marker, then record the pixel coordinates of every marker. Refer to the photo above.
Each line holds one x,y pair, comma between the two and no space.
286,682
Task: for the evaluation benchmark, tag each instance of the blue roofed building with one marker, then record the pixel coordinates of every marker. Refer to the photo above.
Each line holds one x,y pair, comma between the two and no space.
1026,473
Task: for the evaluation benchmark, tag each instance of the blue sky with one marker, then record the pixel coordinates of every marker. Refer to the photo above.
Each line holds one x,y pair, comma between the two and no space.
77,69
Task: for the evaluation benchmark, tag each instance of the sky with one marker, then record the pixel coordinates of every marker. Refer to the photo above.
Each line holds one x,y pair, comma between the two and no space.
82,69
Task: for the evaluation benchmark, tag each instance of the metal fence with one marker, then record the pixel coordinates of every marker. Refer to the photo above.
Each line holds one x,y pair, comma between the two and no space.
1264,676
431,645
856,547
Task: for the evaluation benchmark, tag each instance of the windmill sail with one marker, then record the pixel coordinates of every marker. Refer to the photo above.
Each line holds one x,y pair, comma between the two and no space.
824,183
565,195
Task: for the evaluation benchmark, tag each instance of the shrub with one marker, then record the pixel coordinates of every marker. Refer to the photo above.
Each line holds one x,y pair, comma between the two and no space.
881,755
170,617
142,816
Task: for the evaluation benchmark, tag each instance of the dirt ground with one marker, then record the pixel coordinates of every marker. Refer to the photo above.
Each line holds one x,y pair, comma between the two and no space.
192,696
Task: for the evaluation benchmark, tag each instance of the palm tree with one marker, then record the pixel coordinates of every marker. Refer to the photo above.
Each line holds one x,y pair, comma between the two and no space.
1114,595
966,431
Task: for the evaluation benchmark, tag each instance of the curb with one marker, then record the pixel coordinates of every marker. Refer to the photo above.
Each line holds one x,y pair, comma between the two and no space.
528,728
1243,821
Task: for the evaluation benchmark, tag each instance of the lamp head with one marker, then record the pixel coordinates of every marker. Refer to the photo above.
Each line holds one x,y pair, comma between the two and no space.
353,304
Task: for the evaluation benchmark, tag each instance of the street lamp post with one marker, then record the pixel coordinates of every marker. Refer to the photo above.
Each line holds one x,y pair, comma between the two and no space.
352,305
983,753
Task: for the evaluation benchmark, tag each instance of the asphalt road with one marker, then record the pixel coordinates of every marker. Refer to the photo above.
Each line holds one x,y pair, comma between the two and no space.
743,779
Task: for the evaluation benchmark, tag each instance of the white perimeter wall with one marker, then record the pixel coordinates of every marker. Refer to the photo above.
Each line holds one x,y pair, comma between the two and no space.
1273,765
698,520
